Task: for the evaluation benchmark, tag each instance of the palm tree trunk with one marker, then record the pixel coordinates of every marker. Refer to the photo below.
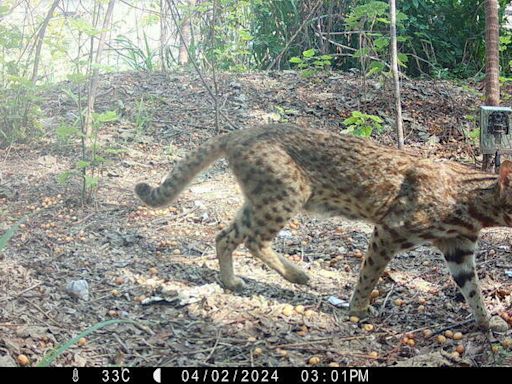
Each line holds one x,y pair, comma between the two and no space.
396,75
492,64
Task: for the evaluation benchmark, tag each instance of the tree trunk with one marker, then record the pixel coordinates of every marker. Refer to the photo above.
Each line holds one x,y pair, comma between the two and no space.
396,75
163,34
40,38
186,34
492,64
93,82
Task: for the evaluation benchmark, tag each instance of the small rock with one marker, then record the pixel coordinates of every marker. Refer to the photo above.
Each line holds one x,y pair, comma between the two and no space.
78,289
285,234
338,302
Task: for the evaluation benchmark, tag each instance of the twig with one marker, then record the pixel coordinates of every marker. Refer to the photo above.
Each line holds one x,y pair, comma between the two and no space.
453,326
194,64
144,328
125,290
354,50
214,347
125,347
43,312
7,153
324,339
386,299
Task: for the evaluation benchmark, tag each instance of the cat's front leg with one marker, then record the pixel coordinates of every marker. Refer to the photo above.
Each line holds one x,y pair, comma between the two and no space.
381,250
459,254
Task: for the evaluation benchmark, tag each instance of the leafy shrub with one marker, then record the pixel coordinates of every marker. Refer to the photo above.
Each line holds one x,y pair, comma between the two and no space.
362,124
310,63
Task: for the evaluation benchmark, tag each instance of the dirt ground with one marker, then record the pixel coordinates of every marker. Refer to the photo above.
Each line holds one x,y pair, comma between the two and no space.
159,269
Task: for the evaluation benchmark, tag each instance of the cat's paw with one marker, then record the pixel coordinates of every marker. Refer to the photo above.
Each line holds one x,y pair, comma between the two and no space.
363,313
297,276
234,284
497,324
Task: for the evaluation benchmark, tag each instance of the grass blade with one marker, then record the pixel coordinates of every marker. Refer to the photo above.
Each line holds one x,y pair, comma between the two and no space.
51,356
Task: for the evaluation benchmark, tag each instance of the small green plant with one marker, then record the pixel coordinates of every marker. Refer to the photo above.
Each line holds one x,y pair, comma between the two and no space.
142,117
19,110
139,59
310,63
474,135
472,132
93,156
370,21
362,124
284,113
65,132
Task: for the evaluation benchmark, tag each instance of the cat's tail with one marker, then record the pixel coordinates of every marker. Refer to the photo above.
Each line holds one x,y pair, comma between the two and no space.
182,174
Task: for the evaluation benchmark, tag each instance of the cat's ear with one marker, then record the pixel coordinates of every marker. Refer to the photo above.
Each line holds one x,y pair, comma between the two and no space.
505,179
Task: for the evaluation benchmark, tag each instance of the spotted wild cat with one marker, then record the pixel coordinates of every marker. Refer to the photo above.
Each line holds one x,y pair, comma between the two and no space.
411,201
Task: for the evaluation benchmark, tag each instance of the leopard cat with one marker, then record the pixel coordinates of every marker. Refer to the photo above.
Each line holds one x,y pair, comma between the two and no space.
282,168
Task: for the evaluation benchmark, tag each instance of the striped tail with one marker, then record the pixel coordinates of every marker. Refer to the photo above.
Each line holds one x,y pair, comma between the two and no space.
182,174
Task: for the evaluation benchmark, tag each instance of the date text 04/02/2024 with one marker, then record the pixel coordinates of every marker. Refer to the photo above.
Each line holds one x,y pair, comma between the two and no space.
274,375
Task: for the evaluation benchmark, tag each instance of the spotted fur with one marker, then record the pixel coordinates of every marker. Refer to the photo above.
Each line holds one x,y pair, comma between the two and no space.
411,201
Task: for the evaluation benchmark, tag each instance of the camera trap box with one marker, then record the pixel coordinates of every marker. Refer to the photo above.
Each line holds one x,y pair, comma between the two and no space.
495,130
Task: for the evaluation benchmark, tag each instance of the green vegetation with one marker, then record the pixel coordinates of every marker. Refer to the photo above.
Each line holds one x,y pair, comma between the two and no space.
362,124
59,350
437,38
310,63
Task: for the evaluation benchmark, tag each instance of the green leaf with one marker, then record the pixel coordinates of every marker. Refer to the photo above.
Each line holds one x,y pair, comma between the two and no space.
91,181
375,118
106,117
81,164
65,131
245,35
99,159
381,43
474,134
365,131
295,60
376,67
64,177
309,53
403,59
361,52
